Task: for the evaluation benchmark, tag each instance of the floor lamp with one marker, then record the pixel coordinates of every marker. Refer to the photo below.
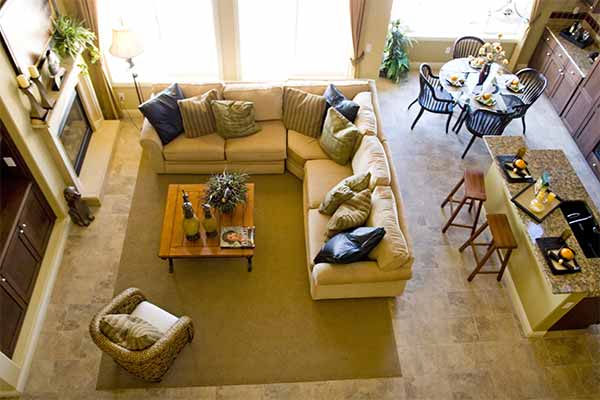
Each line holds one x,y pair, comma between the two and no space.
125,44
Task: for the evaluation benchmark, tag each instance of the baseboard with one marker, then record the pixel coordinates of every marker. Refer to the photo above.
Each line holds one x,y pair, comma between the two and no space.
518,306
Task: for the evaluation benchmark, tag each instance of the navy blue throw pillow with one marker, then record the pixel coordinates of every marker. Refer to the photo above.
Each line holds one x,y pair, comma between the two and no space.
350,246
337,100
163,113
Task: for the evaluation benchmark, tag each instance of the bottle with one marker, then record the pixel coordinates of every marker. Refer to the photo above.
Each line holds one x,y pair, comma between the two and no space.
209,223
191,223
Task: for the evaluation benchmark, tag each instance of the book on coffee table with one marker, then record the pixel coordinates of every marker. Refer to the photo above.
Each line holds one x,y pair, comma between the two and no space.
237,237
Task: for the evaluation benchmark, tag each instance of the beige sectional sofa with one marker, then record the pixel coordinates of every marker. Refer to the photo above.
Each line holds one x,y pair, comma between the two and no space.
275,149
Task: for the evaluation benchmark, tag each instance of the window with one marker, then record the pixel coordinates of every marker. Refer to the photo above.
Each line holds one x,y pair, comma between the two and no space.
451,19
282,39
178,38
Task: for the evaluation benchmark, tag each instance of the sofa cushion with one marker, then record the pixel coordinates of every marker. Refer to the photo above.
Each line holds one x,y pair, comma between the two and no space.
316,226
129,331
192,89
319,177
348,87
163,113
159,318
351,246
267,98
351,214
304,112
337,100
365,121
343,191
204,148
234,118
371,157
266,145
197,115
358,272
338,137
392,252
301,148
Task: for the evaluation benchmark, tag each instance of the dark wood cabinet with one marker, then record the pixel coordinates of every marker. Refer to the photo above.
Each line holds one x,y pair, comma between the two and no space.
594,163
584,314
594,5
541,56
563,91
588,138
578,111
25,228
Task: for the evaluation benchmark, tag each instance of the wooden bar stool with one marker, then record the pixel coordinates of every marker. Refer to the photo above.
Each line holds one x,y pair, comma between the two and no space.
502,239
474,195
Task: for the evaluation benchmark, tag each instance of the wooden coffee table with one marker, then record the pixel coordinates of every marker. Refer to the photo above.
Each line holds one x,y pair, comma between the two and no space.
173,243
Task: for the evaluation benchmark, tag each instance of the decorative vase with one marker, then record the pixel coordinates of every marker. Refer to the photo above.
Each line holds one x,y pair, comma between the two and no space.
209,223
191,223
485,73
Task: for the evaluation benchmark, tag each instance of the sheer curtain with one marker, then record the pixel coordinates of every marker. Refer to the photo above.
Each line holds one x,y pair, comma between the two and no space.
178,37
281,39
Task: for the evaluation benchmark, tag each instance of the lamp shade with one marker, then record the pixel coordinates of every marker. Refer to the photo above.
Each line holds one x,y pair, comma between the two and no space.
125,44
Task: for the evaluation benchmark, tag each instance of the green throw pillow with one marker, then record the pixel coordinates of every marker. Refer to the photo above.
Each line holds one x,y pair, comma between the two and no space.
130,332
338,137
234,118
343,191
351,214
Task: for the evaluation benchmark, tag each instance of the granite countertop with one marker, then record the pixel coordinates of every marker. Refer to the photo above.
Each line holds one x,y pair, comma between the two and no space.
567,185
577,55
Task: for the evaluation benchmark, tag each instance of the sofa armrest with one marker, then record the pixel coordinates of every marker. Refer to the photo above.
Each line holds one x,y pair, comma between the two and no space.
152,145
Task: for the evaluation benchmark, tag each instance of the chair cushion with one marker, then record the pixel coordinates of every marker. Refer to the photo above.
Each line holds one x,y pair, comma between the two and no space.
159,318
348,247
319,177
204,148
339,137
365,121
371,157
197,115
266,145
351,214
343,191
302,148
337,100
163,113
131,332
267,98
234,118
304,112
392,252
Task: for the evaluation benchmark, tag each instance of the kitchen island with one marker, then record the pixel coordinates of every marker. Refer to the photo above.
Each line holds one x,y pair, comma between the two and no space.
540,298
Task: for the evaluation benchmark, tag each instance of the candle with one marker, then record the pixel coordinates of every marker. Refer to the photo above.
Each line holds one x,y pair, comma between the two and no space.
33,72
23,81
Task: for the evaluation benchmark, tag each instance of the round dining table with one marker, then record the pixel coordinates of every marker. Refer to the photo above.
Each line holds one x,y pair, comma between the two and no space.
496,84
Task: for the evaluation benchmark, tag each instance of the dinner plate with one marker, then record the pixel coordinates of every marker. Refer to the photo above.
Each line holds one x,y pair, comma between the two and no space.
488,103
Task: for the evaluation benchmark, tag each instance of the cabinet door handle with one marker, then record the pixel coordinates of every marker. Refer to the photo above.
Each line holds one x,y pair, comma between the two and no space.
21,231
548,54
560,56
594,164
23,226
3,279
547,39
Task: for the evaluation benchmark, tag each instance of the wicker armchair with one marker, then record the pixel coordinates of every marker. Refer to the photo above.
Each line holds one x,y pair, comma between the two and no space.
149,364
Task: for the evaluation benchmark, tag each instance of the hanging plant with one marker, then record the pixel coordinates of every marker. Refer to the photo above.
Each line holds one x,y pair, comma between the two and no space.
70,38
395,62
225,191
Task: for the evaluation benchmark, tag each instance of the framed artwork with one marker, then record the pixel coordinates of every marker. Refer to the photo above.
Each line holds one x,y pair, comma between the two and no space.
26,30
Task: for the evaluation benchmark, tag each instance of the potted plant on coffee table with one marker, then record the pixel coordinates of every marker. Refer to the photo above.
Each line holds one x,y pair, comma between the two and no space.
226,190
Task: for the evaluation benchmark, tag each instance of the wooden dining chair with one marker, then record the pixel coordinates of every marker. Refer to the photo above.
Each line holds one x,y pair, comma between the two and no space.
466,46
432,96
482,123
535,84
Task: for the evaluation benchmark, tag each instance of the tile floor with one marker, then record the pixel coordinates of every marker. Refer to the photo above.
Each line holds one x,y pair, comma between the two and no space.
456,340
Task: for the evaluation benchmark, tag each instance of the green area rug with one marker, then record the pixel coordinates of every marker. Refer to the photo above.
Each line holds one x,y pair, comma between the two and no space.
251,328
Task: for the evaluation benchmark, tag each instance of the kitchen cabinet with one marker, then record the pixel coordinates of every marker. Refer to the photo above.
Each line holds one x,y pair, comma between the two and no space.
589,136
582,315
27,222
592,159
578,112
594,5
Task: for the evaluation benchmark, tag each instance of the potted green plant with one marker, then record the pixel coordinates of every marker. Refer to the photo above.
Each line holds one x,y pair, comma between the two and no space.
71,37
395,63
226,190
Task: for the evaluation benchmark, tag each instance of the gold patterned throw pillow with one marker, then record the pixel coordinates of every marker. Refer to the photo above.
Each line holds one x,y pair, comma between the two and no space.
197,115
303,112
351,214
343,191
339,137
128,331
234,118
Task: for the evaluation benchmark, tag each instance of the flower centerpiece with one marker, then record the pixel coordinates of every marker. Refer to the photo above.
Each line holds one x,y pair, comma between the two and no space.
488,54
226,190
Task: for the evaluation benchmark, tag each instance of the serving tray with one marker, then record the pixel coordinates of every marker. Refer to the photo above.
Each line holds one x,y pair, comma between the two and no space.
549,244
511,176
524,197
